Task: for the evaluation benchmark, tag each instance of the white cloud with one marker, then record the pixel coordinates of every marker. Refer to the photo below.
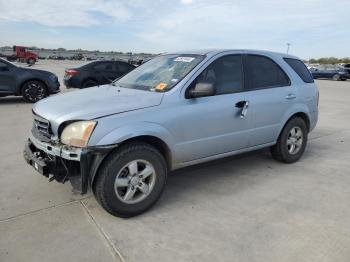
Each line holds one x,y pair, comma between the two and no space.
80,13
162,25
187,2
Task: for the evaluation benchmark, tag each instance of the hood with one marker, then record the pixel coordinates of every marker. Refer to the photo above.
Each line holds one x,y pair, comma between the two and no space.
93,102
36,71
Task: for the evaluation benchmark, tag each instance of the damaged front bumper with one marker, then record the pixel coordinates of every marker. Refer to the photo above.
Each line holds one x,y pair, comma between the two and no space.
63,163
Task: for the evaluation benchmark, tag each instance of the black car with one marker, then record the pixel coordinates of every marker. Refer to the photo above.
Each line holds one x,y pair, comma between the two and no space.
96,73
331,72
347,68
32,84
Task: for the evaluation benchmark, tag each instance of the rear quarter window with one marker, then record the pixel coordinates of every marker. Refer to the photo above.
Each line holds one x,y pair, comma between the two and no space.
300,68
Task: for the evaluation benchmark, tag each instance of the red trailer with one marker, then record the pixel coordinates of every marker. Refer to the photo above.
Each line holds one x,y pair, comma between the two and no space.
21,54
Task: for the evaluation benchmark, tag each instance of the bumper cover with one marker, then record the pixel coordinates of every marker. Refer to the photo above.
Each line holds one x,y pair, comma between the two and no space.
61,163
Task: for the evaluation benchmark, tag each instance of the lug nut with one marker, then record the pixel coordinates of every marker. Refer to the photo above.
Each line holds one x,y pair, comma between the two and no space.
140,184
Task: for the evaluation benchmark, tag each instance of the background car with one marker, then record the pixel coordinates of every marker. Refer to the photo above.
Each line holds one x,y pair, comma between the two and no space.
330,72
96,73
347,68
32,84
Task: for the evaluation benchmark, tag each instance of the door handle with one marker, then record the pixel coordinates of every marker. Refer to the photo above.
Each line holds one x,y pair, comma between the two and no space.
244,105
291,96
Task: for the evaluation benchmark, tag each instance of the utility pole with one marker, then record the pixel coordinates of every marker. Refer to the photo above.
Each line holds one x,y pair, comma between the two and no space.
288,45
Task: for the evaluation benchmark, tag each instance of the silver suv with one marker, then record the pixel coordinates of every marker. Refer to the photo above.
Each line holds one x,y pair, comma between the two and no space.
176,110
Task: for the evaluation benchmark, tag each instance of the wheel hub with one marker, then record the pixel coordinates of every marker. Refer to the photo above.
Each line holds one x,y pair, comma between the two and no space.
135,181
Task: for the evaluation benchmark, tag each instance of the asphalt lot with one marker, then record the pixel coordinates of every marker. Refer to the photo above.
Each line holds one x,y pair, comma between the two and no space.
245,208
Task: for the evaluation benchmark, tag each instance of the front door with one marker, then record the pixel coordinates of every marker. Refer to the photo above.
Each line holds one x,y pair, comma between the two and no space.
214,125
6,78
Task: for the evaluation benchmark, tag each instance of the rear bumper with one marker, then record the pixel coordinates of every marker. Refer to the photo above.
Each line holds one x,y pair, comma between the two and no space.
71,83
62,163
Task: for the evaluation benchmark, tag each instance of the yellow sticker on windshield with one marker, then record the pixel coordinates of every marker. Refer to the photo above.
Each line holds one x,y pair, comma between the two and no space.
161,86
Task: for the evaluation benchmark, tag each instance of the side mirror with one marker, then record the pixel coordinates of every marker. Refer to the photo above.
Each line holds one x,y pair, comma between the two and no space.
4,68
202,89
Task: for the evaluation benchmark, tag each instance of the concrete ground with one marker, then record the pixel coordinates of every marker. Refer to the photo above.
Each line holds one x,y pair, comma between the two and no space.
245,208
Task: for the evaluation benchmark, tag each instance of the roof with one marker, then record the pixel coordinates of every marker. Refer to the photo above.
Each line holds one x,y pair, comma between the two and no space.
217,51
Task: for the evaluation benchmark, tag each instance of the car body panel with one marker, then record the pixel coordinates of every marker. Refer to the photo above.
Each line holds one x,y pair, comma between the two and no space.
93,103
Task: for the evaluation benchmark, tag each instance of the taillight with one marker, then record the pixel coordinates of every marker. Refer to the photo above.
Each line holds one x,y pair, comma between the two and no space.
71,72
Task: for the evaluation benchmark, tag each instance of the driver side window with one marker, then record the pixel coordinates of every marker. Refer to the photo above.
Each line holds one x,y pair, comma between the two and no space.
225,74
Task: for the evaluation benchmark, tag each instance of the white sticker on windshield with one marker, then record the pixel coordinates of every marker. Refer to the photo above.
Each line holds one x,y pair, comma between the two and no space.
186,59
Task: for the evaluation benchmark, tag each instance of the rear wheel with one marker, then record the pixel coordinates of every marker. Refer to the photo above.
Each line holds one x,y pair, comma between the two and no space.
89,83
33,91
131,180
336,77
292,141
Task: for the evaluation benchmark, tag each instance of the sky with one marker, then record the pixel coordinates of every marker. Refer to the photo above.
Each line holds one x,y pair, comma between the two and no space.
314,28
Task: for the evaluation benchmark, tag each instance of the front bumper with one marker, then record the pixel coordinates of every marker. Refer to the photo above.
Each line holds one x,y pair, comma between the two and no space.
54,87
63,163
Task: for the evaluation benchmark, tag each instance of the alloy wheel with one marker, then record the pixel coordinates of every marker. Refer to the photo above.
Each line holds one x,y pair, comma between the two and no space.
295,140
135,181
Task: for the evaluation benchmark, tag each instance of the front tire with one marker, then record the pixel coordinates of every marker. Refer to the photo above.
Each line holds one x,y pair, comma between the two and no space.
131,180
33,91
292,141
31,61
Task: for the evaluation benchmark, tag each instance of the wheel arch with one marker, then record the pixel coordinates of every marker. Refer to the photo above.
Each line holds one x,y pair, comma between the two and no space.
158,143
21,85
302,114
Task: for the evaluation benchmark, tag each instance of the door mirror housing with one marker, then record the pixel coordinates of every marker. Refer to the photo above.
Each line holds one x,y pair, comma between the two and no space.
202,90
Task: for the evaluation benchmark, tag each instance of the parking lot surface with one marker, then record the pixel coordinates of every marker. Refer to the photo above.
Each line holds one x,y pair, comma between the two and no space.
243,208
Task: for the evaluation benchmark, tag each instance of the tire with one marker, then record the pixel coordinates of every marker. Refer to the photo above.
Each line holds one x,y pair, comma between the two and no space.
284,152
31,61
89,83
115,179
33,91
336,77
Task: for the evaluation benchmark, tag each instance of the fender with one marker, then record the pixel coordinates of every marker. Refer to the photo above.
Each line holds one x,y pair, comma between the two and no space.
123,133
295,109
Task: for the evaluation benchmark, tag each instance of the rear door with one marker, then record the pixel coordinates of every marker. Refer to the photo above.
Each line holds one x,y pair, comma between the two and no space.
106,72
123,68
271,95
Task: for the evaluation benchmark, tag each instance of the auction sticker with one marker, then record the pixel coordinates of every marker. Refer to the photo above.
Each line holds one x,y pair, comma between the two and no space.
186,59
161,86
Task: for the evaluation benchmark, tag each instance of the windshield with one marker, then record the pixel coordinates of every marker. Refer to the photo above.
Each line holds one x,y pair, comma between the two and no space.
160,73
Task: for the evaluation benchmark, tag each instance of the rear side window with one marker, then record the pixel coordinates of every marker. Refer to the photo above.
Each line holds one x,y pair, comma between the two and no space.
262,72
104,66
300,68
124,67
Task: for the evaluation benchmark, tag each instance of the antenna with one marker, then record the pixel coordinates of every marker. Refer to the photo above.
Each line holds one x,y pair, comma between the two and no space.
288,45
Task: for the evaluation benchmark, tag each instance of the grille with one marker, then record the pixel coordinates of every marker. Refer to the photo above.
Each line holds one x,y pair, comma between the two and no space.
41,128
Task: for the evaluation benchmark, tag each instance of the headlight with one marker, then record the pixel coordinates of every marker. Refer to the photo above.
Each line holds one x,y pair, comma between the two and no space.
78,133
53,78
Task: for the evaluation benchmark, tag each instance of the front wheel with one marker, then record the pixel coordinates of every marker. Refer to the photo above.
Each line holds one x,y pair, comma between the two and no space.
130,180
33,91
292,141
31,61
